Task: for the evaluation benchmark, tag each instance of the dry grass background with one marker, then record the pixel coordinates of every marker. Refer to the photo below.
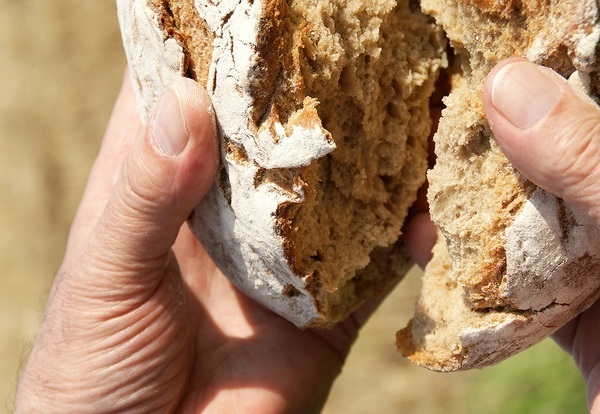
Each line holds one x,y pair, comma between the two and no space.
61,64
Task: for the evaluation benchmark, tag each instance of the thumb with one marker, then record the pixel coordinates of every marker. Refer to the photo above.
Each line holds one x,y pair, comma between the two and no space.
547,130
164,176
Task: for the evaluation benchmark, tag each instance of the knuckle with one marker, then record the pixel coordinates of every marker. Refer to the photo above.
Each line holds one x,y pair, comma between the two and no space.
145,191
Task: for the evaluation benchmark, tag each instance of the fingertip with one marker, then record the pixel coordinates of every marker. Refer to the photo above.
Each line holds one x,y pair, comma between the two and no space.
419,238
183,127
169,130
520,95
491,77
521,101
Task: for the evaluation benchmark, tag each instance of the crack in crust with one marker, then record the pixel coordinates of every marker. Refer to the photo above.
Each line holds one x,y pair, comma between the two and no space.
181,21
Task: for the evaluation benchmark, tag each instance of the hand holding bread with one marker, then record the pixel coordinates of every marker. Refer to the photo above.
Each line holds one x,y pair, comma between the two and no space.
323,115
517,251
139,318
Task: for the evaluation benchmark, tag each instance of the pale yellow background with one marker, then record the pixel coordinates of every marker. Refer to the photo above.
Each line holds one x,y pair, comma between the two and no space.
61,64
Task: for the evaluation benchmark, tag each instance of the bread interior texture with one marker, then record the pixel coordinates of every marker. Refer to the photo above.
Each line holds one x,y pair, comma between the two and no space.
474,192
371,66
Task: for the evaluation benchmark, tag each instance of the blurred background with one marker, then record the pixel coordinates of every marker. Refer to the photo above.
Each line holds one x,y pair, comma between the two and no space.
61,64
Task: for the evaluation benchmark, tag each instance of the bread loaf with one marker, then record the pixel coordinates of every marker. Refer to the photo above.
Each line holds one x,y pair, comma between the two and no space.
323,110
323,114
513,263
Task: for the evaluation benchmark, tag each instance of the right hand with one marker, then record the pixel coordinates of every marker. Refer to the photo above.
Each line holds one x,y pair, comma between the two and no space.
551,134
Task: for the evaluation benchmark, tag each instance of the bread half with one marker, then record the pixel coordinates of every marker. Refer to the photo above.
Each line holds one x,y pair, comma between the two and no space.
513,263
323,110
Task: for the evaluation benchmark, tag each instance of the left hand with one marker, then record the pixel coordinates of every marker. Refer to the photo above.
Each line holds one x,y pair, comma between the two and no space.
139,319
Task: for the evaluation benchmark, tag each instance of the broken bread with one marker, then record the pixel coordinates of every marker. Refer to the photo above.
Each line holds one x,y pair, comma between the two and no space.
323,115
323,111
512,263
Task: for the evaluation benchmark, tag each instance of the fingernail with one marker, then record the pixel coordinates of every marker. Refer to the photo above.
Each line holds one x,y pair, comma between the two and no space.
168,128
524,94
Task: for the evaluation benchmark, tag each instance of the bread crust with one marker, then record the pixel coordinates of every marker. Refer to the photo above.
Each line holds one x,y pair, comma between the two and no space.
517,265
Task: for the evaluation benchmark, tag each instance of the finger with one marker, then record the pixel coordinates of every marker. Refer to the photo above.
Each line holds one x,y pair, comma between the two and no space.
123,127
164,176
549,132
419,238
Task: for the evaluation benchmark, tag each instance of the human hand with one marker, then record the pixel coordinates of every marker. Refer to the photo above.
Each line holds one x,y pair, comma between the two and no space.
139,319
551,134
